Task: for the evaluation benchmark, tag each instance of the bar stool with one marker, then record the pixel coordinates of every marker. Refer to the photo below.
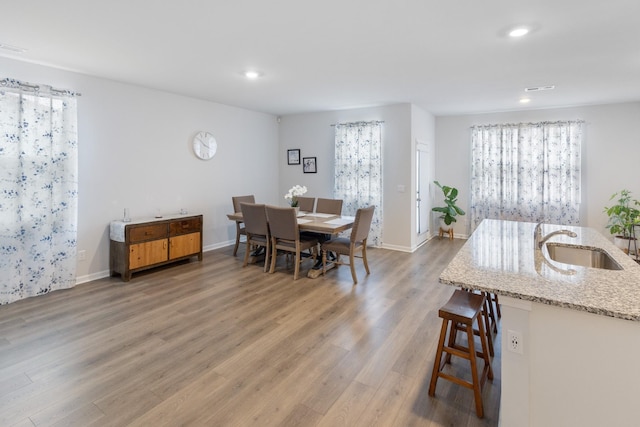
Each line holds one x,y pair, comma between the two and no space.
461,312
494,298
490,324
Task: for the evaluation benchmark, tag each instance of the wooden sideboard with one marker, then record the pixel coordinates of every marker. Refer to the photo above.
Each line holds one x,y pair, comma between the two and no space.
142,244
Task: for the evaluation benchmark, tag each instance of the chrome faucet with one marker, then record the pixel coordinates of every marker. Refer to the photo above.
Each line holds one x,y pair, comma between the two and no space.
539,240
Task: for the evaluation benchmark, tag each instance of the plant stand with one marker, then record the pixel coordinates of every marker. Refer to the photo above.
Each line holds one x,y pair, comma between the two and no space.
635,243
449,232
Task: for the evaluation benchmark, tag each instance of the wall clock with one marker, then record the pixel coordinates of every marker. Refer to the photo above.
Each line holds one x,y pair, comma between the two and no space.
204,145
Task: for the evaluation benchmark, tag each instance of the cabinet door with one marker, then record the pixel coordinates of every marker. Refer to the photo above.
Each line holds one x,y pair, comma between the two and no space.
148,253
186,244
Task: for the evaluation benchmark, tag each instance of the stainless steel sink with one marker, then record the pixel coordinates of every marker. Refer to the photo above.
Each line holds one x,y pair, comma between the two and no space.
584,257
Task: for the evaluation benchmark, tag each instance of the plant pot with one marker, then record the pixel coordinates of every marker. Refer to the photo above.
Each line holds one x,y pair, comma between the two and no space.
444,226
627,244
297,208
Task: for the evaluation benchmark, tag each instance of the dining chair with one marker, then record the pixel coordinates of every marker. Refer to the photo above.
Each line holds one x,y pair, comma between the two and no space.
357,242
239,224
256,229
329,206
285,236
306,204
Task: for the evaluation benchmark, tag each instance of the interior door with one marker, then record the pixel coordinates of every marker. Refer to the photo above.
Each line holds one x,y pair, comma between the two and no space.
422,188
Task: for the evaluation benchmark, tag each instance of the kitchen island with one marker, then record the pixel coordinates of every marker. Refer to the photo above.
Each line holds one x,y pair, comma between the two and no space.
579,326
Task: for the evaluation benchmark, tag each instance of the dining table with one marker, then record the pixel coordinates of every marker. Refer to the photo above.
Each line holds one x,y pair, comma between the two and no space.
316,222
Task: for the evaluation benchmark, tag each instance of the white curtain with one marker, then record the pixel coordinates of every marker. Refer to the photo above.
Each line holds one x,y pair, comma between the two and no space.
39,190
527,172
358,171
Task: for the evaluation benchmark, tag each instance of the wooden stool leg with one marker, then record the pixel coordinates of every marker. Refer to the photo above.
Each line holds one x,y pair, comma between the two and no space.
485,353
474,371
436,363
453,336
495,300
492,314
487,325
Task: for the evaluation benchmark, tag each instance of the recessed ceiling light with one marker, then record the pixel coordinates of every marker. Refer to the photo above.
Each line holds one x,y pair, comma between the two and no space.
252,74
525,100
13,49
539,88
518,32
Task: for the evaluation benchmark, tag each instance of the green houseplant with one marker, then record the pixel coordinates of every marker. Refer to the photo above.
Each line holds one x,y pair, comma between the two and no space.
451,210
623,215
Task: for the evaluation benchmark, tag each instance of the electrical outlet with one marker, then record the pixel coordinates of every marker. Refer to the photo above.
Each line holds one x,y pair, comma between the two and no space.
514,341
82,255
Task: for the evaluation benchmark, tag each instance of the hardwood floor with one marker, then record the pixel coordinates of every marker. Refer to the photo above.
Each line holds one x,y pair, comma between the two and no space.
211,343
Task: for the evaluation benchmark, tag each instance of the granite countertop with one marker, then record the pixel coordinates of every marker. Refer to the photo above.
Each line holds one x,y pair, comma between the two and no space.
500,258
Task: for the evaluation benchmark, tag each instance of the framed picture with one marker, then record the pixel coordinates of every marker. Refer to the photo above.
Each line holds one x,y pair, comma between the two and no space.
293,156
309,165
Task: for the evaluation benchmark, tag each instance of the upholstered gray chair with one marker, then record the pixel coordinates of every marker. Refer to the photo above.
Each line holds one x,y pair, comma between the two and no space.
285,236
239,224
306,204
356,243
329,206
256,229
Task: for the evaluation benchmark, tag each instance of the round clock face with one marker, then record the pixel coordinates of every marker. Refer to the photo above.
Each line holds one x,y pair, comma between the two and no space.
204,145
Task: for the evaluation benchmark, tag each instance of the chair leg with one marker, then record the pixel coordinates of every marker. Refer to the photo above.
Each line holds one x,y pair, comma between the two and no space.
235,248
364,256
353,268
274,253
296,269
266,256
246,253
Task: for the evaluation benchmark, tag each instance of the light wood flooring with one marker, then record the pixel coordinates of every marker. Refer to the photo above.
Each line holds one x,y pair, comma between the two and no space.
213,344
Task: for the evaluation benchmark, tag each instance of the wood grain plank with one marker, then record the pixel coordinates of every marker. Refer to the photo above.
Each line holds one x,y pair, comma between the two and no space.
212,343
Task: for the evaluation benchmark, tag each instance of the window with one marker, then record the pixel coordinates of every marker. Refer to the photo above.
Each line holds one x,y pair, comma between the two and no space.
526,172
38,201
358,171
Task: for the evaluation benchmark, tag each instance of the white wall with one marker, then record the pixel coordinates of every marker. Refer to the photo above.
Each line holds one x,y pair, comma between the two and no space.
610,155
313,134
135,152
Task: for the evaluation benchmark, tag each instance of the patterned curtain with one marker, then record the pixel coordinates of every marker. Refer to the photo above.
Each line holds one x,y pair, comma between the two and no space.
358,171
526,172
39,190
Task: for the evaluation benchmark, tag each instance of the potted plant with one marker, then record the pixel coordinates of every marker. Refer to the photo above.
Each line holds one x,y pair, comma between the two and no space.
451,210
293,194
622,218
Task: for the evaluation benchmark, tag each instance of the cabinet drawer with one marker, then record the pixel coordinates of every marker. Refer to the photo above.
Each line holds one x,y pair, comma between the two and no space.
185,226
147,232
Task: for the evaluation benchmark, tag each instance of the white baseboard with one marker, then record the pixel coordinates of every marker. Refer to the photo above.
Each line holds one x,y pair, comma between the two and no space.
91,277
102,274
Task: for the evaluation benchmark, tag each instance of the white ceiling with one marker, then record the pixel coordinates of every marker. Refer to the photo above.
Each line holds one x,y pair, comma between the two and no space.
446,56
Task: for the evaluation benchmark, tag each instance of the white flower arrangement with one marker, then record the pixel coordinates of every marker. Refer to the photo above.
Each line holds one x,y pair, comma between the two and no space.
294,193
